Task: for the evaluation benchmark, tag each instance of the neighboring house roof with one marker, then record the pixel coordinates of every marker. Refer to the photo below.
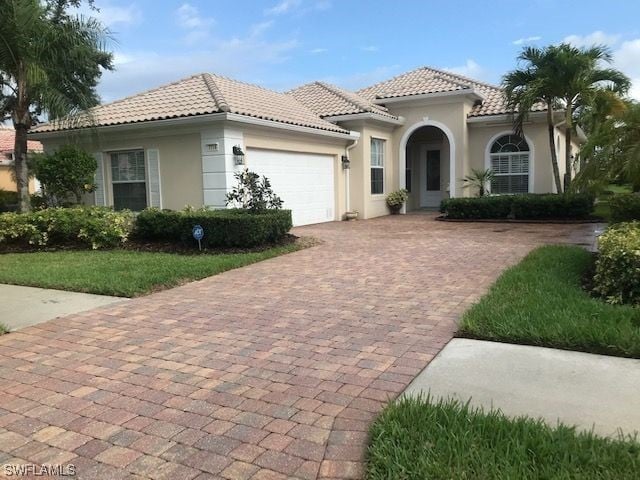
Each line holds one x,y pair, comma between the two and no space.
201,94
7,141
426,80
327,100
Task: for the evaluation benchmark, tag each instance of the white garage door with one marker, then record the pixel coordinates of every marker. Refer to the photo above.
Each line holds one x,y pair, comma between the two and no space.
304,181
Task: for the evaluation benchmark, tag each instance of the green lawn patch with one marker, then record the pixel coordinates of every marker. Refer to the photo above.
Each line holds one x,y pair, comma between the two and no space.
122,273
421,439
541,302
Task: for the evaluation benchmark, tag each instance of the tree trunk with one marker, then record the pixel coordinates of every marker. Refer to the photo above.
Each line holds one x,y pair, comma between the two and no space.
22,170
568,130
552,146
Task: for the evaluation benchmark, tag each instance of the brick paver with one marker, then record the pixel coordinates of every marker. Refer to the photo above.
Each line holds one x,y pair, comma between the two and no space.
270,371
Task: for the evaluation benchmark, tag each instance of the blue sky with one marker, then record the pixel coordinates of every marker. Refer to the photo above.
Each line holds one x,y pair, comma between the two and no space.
353,43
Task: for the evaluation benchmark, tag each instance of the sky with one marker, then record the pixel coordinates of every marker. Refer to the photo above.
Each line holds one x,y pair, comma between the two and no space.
281,44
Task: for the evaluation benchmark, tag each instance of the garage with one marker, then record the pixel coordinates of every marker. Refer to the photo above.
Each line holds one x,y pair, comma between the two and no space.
304,181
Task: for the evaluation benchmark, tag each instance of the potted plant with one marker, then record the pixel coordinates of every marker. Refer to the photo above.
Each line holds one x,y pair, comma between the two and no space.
396,199
353,215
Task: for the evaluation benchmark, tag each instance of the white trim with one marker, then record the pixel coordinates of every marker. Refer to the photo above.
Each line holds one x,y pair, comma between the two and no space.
423,96
365,116
402,159
148,175
502,118
198,119
487,154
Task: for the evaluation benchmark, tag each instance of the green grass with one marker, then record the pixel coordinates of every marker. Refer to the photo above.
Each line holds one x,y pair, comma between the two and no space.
121,273
540,301
419,439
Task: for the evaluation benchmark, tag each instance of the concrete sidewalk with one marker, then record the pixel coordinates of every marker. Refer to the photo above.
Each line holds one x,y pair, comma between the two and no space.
582,389
24,306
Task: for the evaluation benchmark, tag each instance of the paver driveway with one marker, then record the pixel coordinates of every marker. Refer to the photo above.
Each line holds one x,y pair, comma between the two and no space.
270,371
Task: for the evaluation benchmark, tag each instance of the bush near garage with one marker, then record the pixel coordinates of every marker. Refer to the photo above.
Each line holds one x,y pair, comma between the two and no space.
520,207
624,207
231,228
617,275
78,227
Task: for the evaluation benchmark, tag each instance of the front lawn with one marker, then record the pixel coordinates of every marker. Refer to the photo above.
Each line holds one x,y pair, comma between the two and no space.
122,273
421,439
541,302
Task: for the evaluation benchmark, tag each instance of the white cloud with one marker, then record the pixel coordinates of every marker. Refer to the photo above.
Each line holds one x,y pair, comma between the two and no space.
627,59
470,69
316,51
522,41
595,38
111,15
197,25
282,7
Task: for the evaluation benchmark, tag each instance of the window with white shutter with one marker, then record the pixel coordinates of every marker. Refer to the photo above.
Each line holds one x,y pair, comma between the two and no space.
510,164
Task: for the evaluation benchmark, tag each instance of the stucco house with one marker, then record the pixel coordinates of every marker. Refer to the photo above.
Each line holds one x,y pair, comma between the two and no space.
326,150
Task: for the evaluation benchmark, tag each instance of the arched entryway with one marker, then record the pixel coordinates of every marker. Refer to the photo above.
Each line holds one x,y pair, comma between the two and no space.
427,167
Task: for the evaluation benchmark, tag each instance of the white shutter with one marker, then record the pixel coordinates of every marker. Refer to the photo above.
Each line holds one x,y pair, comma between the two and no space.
100,198
153,174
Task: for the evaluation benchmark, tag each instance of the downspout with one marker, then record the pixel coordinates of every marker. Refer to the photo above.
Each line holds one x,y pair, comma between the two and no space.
347,181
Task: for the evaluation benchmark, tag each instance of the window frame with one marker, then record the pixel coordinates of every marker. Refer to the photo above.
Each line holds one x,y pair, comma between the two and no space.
113,182
511,159
380,158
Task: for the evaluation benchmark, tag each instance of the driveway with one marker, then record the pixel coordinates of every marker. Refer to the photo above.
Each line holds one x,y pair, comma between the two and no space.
270,371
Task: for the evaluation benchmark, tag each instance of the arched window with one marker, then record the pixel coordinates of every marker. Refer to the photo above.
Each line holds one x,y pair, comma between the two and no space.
510,165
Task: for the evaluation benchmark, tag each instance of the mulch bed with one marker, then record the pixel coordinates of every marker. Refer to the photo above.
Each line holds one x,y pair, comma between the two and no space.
569,221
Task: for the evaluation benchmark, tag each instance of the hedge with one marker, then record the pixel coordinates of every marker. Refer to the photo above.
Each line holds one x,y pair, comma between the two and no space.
222,228
522,207
94,227
617,275
624,207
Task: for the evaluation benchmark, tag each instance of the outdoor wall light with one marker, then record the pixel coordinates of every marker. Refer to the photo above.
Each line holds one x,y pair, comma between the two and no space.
346,163
238,155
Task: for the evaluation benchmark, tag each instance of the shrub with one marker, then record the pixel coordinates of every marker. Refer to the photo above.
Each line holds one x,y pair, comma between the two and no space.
95,227
253,193
617,276
8,201
624,207
222,228
65,174
523,207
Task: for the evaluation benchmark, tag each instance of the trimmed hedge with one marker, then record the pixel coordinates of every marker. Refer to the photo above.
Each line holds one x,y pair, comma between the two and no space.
222,228
94,227
522,207
617,276
624,207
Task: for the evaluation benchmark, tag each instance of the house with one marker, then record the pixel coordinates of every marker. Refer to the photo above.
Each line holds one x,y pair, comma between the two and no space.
326,150
7,176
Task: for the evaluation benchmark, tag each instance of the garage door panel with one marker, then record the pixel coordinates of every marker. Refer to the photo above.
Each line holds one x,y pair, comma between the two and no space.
304,181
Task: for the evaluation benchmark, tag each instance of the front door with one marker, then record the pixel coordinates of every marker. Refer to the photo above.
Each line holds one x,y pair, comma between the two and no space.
431,194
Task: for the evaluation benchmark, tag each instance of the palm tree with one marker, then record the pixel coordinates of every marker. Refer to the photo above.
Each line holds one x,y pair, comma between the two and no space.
583,81
535,83
50,62
479,179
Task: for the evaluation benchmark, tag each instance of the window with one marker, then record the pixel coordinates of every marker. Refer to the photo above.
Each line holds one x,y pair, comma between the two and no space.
433,170
377,166
510,165
128,177
407,177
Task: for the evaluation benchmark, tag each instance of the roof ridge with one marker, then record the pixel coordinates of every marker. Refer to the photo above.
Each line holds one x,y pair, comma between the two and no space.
458,76
215,92
339,92
164,85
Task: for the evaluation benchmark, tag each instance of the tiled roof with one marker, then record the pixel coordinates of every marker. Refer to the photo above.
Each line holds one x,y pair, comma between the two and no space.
7,139
198,95
427,80
328,100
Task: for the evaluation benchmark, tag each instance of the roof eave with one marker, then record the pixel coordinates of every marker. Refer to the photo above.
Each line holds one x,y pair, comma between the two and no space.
506,117
472,93
366,116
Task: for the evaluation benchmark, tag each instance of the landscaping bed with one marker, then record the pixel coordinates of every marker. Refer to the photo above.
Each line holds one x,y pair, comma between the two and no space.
417,438
541,302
